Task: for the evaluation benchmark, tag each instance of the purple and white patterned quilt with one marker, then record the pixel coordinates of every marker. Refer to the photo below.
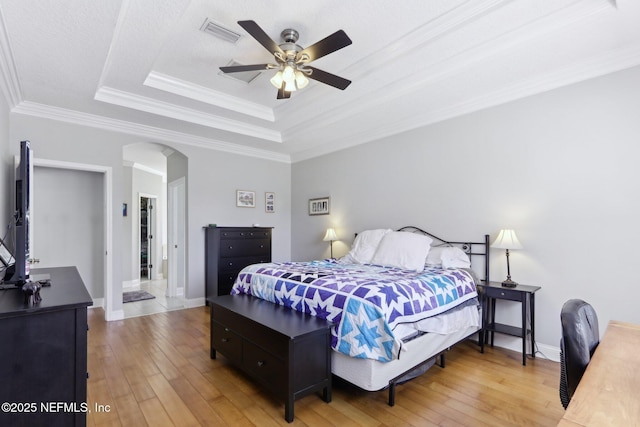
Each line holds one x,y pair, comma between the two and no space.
365,302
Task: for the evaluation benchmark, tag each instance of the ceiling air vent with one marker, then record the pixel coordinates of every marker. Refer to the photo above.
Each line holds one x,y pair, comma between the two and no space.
243,76
219,31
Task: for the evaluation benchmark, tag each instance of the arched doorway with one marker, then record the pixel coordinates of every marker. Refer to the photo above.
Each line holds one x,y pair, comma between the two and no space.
147,257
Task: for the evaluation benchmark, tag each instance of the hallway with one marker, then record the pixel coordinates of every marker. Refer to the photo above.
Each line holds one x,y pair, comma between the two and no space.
160,304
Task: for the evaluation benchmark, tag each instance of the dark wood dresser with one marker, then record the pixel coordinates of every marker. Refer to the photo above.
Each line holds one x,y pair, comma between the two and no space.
43,353
228,250
286,351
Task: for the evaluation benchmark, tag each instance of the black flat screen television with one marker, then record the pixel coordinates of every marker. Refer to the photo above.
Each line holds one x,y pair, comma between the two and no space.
18,272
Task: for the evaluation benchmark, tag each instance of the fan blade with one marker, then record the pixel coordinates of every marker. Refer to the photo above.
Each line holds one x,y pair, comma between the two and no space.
283,94
328,78
240,68
258,33
329,44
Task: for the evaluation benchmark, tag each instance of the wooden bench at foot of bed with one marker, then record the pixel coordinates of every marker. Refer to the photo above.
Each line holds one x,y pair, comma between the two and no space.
286,351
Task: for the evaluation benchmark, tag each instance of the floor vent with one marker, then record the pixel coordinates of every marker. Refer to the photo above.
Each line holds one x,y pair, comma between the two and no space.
217,30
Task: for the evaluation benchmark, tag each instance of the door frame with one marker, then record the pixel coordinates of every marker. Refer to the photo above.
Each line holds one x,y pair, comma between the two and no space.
110,313
153,230
176,236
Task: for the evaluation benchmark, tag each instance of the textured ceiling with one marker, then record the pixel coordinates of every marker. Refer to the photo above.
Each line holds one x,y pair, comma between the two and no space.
145,67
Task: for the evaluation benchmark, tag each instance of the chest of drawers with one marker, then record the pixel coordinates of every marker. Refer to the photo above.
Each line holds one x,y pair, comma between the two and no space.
43,352
228,250
285,351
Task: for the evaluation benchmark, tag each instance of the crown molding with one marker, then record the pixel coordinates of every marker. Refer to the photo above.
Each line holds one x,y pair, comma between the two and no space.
212,97
567,16
597,66
9,82
165,109
406,46
153,134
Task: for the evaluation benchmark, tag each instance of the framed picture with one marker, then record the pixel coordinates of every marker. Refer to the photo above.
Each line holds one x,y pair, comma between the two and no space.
270,202
245,199
319,206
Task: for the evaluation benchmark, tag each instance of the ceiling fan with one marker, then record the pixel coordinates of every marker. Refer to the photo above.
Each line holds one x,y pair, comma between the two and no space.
291,59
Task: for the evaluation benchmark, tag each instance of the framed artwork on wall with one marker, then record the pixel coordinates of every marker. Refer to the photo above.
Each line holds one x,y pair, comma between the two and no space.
319,206
245,199
270,202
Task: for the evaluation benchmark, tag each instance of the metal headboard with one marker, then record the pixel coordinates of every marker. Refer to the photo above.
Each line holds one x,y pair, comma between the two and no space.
477,249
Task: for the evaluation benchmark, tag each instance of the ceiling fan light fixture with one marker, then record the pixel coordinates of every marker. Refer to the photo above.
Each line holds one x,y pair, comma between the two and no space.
293,79
288,74
276,80
289,78
301,80
290,86
291,60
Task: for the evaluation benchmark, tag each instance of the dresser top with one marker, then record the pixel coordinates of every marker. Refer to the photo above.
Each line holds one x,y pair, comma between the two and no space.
67,290
236,228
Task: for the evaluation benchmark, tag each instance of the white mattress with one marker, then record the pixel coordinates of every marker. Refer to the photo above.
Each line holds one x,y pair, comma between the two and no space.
373,375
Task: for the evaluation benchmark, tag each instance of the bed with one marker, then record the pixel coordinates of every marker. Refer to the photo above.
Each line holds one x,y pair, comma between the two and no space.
397,300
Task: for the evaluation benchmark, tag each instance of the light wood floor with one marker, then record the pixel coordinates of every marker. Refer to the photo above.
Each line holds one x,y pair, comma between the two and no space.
155,370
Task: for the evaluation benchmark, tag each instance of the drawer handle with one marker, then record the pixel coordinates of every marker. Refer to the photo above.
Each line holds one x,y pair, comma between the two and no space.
230,264
225,339
261,246
230,247
260,363
501,294
226,329
242,234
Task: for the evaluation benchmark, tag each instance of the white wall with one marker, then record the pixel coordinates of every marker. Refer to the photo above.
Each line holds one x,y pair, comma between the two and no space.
560,168
213,178
6,166
67,223
128,249
66,142
211,192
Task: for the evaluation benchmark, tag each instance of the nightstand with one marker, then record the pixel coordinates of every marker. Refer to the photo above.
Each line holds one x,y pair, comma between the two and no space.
490,292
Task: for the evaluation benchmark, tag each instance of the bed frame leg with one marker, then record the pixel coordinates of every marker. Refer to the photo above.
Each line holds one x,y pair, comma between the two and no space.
392,393
442,360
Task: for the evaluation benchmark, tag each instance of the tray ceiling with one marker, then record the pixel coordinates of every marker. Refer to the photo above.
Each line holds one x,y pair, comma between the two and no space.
146,67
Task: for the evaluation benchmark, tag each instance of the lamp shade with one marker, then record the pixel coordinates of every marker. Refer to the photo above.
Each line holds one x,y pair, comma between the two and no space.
507,239
330,235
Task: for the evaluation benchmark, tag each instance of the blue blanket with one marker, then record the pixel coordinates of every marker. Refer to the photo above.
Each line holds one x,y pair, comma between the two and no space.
365,302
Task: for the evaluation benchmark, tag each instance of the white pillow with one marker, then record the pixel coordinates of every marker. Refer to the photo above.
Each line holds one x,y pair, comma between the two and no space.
403,250
455,258
365,245
434,259
448,257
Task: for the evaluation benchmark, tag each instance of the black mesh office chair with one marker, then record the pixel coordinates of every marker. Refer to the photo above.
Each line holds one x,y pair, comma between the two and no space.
580,337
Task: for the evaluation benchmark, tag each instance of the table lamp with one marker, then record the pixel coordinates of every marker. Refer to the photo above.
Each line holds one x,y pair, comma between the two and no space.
330,236
507,239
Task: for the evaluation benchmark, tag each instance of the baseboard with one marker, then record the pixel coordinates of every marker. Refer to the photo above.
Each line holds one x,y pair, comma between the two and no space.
97,303
195,302
549,352
544,351
135,283
114,315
